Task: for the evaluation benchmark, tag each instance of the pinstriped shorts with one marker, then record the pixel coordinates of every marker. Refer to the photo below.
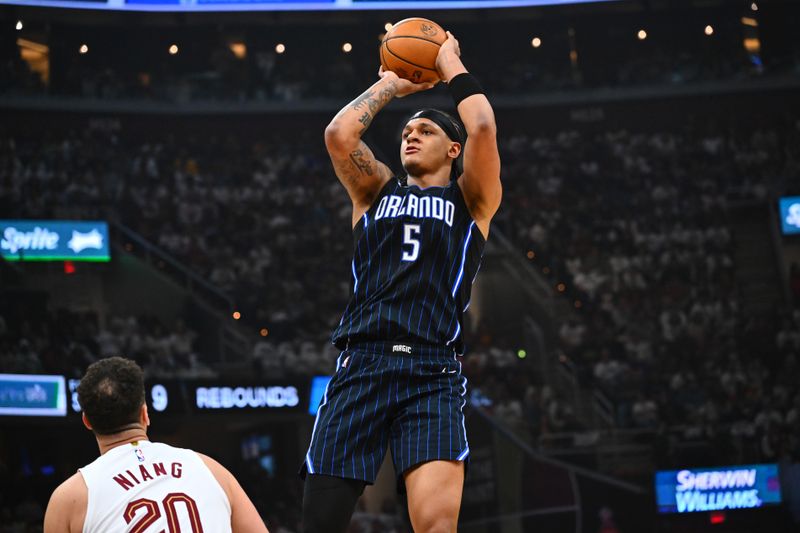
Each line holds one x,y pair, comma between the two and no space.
405,396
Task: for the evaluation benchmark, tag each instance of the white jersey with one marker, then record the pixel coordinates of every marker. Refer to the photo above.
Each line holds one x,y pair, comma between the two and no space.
148,487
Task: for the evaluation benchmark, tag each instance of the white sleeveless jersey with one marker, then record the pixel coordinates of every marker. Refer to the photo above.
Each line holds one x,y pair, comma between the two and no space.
148,487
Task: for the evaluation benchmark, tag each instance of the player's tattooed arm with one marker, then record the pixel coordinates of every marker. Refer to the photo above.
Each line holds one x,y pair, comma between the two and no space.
370,103
360,164
356,116
358,103
345,130
356,167
348,126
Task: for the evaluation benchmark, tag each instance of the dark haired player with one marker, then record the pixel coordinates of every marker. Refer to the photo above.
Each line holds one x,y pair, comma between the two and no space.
139,486
418,246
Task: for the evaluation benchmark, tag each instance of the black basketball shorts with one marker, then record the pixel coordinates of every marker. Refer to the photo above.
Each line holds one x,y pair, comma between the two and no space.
410,397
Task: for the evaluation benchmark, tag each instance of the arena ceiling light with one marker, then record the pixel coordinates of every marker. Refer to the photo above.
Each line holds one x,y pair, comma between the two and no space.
238,49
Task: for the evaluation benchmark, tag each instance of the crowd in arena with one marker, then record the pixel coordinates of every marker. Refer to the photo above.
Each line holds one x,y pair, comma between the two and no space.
646,254
645,248
65,342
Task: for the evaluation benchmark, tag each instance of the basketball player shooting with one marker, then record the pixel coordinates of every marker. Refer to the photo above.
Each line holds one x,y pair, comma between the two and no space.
418,242
137,485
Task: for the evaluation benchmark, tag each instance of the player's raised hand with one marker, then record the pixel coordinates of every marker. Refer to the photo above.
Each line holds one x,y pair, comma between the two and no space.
449,46
448,60
404,87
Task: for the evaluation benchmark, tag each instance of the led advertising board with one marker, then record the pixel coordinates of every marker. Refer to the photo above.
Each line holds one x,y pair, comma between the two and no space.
54,240
246,397
717,489
319,384
160,396
32,395
177,396
789,208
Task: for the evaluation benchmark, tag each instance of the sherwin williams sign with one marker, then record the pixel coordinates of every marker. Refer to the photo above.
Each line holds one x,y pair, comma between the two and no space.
32,395
54,240
717,489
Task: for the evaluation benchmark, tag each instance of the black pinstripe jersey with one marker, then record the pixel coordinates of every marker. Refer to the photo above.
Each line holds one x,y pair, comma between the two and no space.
417,252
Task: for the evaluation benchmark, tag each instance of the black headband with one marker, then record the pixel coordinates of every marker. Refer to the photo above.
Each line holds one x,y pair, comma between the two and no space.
451,127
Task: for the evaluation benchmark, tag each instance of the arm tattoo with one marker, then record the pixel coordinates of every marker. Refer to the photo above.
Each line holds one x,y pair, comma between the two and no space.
387,94
363,164
373,104
344,169
358,102
366,120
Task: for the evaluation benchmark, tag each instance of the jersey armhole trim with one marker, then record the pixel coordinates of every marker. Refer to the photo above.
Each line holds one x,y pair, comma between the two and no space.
466,208
217,484
365,220
89,505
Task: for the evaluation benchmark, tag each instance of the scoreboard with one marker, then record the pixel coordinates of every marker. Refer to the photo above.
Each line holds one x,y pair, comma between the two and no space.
57,396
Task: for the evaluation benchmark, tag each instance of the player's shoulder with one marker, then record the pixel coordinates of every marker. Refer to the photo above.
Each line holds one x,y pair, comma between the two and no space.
220,472
72,486
209,461
67,506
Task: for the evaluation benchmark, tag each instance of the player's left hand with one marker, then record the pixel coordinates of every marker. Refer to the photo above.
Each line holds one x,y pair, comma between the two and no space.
448,57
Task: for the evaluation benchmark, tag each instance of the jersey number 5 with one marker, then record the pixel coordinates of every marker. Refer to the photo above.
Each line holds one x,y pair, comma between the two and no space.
409,233
153,513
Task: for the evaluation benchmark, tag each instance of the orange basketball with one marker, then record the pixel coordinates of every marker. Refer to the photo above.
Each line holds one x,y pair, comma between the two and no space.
409,49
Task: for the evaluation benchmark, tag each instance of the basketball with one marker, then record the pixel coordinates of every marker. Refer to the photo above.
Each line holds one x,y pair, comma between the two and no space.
410,48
